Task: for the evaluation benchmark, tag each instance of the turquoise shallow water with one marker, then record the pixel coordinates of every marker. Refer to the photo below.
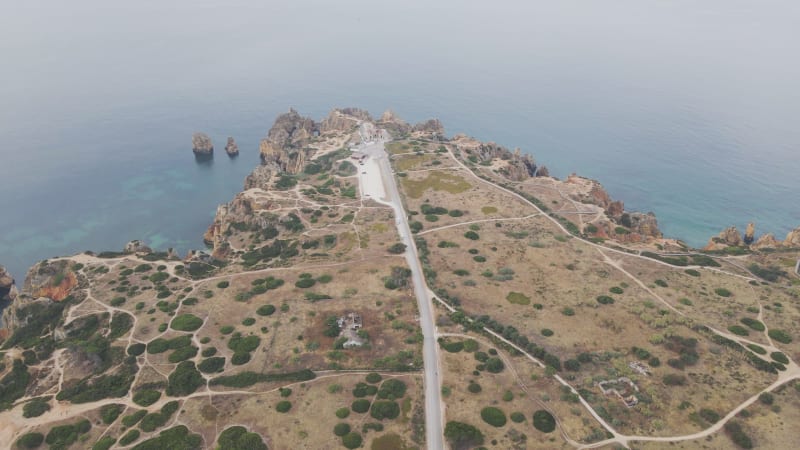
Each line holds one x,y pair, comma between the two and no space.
688,109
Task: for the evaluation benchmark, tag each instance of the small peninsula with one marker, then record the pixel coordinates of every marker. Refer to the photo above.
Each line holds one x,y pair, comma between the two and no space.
380,284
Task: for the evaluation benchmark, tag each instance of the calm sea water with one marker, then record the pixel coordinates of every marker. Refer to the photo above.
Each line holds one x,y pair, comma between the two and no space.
688,109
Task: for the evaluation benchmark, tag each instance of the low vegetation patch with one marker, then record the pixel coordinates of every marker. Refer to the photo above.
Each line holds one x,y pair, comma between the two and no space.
518,298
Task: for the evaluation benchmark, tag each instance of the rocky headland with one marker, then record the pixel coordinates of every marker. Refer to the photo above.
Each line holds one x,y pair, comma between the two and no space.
732,240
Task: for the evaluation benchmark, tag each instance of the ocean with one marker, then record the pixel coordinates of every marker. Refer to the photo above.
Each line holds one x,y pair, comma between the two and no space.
687,109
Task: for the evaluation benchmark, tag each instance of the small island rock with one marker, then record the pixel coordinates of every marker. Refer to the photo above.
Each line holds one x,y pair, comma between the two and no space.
231,148
201,144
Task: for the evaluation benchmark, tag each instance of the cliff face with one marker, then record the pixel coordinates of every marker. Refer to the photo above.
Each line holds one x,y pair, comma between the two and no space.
793,238
284,146
201,144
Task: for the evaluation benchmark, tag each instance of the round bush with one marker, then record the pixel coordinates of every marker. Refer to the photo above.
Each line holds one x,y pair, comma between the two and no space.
240,358
342,413
129,437
35,408
493,416
305,283
146,397
136,349
544,421
546,332
384,409
360,406
223,284
352,440
248,321
780,336
186,322
738,330
341,429
474,387
780,357
283,406
495,365
374,377
605,300
226,329
211,365
517,417
30,440
265,310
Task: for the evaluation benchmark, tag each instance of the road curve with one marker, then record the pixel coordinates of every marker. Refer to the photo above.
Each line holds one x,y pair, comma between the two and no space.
434,429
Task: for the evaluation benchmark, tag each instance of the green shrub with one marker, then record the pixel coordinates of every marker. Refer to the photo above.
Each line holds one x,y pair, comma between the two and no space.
605,300
472,235
223,284
305,283
780,357
780,336
209,351
265,310
340,429
109,413
129,437
343,413
136,349
283,406
544,421
132,419
739,437
35,407
518,298
175,438
462,435
211,365
692,272
493,416
517,417
661,283
766,398
616,290
753,323
722,292
738,330
673,379
757,349
182,354
146,397
240,358
373,377
184,380
474,387
392,389
153,421
245,379
63,436
453,347
397,249
494,365
104,443
384,409
352,440
30,440
568,311
248,321
238,438
546,332
186,322
709,415
360,406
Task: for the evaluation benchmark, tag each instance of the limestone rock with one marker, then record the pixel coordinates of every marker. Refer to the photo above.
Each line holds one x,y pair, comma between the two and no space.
201,144
291,130
231,148
431,126
396,126
749,233
729,237
8,289
793,238
766,241
645,224
138,247
542,172
344,120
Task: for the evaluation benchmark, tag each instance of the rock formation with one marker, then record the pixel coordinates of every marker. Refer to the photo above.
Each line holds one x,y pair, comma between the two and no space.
283,148
396,126
431,127
542,172
202,145
231,148
343,120
766,241
138,247
749,233
793,238
729,237
8,289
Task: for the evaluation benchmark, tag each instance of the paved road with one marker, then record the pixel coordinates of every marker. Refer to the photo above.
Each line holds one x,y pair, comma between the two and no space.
433,402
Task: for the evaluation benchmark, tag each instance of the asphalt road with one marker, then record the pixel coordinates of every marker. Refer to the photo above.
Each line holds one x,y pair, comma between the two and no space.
433,402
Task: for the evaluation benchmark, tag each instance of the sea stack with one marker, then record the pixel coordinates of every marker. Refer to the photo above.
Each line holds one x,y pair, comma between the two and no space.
202,145
231,148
